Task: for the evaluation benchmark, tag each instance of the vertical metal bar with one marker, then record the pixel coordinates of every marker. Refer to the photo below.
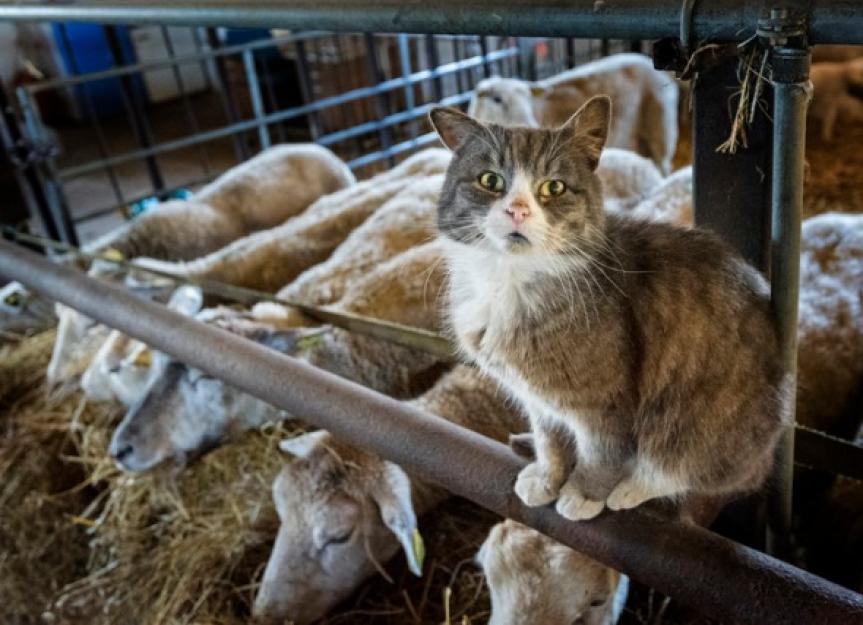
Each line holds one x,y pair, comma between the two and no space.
199,48
731,191
486,66
731,194
90,115
434,62
20,151
135,108
306,89
46,171
635,46
270,90
257,100
184,98
791,91
570,52
405,58
226,93
381,101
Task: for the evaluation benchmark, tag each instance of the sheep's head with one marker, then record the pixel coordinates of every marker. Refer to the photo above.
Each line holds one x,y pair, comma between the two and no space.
22,310
504,101
185,412
123,368
342,512
533,579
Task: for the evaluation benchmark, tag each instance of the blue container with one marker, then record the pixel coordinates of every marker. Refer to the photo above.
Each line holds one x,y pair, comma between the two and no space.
85,49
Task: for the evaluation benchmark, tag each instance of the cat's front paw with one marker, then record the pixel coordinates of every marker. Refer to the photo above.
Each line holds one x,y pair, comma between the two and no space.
628,494
573,505
535,487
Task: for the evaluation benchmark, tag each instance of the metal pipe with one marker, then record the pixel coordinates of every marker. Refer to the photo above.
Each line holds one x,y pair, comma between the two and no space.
723,579
257,98
791,93
832,21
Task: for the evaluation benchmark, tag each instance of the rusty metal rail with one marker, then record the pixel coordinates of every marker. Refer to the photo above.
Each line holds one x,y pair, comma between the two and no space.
832,21
723,579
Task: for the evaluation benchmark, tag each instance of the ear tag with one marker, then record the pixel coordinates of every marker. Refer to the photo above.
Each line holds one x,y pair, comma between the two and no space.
419,551
113,254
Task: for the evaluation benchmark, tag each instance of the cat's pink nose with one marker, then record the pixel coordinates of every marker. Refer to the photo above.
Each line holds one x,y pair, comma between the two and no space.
518,211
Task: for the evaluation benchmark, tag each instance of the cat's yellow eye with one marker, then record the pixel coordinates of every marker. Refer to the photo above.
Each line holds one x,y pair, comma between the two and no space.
491,181
552,188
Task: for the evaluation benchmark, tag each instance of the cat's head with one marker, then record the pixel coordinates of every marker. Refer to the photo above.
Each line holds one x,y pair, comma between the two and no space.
524,191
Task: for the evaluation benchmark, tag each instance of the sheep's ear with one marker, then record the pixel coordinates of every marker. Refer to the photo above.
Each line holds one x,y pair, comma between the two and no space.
589,128
187,300
453,126
537,90
304,445
392,494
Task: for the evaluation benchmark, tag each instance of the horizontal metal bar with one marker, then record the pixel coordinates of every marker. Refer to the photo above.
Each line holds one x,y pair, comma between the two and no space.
827,453
391,120
398,148
726,580
349,96
833,21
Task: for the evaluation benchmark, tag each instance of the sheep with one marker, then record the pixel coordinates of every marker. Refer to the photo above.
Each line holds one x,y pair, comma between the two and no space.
123,368
830,327
22,311
627,179
343,509
835,53
403,222
646,102
271,259
260,193
670,200
534,579
184,412
838,93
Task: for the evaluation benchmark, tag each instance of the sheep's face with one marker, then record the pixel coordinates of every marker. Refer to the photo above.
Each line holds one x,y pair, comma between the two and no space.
523,192
184,413
78,339
124,369
504,101
533,579
22,310
339,508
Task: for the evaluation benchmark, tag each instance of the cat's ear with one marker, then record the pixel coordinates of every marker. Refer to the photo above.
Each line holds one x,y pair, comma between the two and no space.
589,127
453,126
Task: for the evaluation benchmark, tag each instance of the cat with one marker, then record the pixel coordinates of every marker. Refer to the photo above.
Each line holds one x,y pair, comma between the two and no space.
645,355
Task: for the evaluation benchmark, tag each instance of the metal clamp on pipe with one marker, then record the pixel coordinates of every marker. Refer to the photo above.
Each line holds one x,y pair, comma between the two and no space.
721,578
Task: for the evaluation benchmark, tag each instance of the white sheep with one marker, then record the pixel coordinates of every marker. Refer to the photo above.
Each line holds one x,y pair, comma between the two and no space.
270,259
644,116
837,94
22,311
670,200
349,508
185,412
627,179
830,328
123,368
260,193
534,579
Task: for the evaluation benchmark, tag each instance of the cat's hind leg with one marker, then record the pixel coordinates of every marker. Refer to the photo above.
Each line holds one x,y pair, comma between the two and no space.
643,484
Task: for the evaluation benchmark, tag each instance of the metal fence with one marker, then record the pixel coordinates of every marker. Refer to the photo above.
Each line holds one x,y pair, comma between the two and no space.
365,96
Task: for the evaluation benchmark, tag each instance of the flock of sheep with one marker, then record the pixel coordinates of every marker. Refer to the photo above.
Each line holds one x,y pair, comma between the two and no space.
294,221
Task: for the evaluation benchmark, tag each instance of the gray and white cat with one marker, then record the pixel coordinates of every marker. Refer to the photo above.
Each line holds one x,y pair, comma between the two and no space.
644,354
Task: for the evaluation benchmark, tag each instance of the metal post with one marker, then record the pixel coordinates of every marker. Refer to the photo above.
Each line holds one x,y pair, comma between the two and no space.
227,95
721,578
405,58
135,109
382,101
257,100
791,93
306,88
